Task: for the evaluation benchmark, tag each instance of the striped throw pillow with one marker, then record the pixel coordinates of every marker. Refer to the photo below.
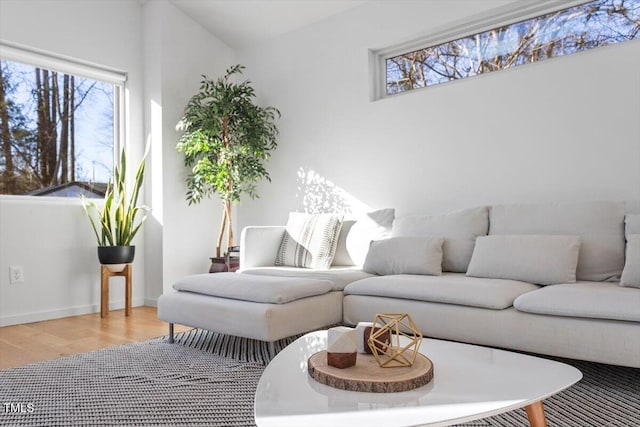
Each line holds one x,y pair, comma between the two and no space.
310,240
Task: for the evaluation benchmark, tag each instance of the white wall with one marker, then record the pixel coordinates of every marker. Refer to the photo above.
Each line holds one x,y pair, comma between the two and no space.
51,239
181,52
164,54
562,129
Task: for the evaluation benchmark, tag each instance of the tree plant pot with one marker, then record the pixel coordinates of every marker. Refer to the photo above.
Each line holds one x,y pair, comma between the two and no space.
115,258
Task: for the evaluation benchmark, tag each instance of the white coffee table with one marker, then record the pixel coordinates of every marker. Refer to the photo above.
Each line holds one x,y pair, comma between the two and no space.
470,382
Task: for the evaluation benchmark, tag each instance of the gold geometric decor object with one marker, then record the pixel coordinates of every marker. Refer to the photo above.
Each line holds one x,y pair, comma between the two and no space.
389,353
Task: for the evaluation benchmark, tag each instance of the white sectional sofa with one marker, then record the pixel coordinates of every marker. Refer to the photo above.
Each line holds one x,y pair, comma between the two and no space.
566,300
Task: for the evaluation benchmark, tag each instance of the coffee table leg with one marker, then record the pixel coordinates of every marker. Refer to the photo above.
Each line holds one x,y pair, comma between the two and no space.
535,413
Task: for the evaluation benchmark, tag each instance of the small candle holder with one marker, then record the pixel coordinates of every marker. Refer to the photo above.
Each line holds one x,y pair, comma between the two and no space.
341,347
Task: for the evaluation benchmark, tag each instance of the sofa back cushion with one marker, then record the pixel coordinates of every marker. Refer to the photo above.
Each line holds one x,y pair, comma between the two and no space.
309,240
405,255
631,224
356,235
459,230
600,226
538,259
631,272
342,256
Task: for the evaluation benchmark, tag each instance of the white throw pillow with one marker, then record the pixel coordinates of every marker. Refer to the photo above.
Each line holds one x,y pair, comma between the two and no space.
459,230
309,240
631,272
405,255
353,243
539,259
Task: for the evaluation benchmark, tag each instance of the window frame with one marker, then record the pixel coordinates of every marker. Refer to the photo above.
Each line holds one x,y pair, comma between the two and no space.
64,64
491,19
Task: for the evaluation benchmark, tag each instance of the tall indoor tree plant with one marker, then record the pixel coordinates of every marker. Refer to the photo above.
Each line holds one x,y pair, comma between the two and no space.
226,139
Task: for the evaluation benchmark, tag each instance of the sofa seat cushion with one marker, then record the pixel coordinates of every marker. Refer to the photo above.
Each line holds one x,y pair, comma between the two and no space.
450,288
339,277
262,289
598,300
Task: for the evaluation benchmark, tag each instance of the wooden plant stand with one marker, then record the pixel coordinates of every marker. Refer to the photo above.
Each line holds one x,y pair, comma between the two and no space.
104,285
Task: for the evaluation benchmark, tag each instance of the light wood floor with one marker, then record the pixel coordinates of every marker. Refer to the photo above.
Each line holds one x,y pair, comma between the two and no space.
51,339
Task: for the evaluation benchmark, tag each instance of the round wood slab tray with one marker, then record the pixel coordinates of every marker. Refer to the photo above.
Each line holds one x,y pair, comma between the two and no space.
367,375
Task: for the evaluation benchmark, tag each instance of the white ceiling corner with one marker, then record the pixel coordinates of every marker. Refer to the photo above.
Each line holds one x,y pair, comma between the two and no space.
242,23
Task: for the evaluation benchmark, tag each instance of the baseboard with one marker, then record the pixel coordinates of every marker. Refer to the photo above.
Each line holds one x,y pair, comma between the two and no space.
151,302
65,312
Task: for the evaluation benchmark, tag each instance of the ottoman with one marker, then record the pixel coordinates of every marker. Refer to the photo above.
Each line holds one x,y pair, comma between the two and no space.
266,308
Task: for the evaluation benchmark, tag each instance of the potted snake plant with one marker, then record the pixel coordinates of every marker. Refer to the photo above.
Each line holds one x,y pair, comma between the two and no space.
120,218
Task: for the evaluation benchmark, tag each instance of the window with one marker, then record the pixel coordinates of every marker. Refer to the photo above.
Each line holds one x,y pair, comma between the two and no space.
59,126
563,32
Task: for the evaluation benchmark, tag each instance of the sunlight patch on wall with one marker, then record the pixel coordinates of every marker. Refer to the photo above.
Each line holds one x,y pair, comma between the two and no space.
320,195
154,141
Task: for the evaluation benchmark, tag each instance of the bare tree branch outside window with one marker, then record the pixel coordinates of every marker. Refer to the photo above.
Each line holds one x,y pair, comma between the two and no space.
56,132
576,29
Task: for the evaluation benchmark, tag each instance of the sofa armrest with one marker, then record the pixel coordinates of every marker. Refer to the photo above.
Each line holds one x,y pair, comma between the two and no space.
259,245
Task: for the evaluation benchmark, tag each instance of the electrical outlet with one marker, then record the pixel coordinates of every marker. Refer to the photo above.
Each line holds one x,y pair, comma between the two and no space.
16,274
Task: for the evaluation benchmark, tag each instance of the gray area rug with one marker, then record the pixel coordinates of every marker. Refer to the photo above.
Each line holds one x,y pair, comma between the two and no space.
207,379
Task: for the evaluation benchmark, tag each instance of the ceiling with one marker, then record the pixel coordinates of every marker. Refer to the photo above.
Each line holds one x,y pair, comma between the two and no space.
242,23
